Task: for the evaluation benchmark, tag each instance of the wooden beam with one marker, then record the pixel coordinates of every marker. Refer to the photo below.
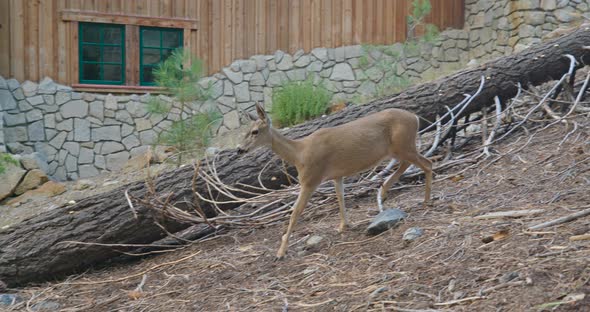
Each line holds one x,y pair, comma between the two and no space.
128,19
132,55
98,88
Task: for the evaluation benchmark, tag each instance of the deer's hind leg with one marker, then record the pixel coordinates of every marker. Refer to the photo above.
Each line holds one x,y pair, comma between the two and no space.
403,166
339,187
426,165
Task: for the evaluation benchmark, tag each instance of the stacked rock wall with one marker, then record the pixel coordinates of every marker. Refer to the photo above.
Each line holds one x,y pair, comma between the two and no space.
82,134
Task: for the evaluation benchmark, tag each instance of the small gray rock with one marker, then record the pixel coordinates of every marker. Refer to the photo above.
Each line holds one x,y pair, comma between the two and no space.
6,100
29,88
314,241
17,148
385,220
34,161
235,77
508,277
110,147
342,71
87,171
241,92
84,184
36,131
412,233
211,151
47,86
107,133
116,161
10,299
320,53
77,108
81,130
46,305
12,84
36,100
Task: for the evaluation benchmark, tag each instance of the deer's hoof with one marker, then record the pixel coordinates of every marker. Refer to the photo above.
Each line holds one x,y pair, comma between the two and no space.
280,254
428,203
342,228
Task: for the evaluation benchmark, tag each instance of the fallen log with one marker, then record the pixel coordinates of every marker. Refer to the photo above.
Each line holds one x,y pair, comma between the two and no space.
41,248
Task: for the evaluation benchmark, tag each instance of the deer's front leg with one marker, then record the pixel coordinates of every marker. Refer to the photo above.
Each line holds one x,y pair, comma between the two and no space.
300,204
339,187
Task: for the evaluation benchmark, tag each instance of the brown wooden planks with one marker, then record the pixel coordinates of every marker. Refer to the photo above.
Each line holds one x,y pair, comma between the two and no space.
17,39
5,39
132,55
46,47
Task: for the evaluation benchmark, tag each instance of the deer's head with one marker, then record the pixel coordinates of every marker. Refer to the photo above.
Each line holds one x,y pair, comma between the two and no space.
259,133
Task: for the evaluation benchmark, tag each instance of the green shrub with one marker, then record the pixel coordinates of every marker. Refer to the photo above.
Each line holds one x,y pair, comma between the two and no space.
181,81
420,9
298,101
6,159
190,134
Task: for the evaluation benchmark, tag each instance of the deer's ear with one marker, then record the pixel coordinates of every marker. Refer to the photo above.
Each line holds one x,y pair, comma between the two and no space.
261,113
251,116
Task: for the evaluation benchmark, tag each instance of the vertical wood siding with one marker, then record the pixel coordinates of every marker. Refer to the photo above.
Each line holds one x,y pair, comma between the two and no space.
35,42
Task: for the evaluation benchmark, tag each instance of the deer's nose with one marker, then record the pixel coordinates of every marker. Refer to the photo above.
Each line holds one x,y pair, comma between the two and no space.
241,151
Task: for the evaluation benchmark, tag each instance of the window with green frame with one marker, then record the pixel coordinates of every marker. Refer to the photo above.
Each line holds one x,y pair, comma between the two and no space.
102,53
155,45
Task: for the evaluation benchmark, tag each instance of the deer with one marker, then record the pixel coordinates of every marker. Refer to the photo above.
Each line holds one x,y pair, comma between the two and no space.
340,151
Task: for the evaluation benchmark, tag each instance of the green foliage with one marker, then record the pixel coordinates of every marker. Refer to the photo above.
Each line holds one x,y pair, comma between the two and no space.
190,134
179,75
392,84
157,106
6,159
420,8
430,33
298,101
386,58
179,79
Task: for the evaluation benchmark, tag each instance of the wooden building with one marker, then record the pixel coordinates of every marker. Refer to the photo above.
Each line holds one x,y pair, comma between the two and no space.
90,43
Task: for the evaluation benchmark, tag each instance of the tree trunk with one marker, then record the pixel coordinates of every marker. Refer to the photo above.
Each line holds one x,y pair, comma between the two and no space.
35,250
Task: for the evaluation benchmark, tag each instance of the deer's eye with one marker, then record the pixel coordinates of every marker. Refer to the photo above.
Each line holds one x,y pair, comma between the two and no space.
254,132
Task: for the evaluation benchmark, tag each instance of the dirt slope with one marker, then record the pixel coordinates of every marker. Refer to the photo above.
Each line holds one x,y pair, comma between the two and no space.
446,269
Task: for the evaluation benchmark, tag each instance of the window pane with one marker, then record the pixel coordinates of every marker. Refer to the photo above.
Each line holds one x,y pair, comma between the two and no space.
112,72
151,56
151,38
91,53
112,54
166,53
90,34
91,72
171,39
148,75
112,35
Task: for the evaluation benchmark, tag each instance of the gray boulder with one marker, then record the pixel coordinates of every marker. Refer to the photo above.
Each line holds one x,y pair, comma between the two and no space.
385,220
34,161
10,179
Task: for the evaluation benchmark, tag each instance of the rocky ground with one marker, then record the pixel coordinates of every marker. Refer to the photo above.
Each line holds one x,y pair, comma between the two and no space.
465,260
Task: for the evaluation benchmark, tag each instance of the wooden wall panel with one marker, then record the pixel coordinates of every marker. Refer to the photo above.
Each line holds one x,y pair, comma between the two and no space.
4,36
17,40
41,44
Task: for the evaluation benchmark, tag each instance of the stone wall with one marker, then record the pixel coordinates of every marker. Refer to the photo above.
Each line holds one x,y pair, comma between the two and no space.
77,134
82,134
